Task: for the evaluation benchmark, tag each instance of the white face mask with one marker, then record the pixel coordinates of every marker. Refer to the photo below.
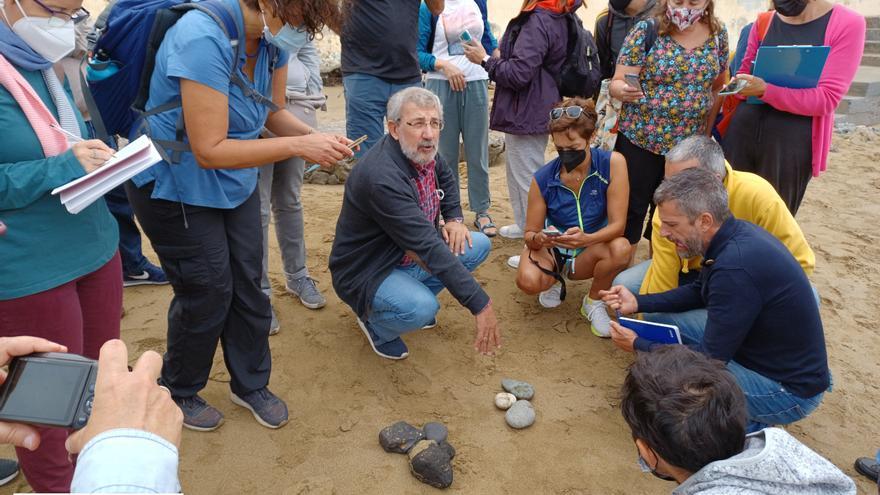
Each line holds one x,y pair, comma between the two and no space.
52,42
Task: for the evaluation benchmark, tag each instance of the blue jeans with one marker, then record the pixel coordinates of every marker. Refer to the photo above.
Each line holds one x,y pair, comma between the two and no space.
768,401
366,100
407,299
133,260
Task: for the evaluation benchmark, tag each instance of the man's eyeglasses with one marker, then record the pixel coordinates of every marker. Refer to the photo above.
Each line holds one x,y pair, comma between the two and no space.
59,17
573,112
420,125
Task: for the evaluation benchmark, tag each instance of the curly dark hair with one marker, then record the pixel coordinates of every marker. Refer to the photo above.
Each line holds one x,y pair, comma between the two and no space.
666,26
315,14
584,125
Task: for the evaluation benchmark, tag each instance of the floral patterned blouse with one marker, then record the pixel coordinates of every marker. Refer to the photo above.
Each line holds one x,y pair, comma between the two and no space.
677,84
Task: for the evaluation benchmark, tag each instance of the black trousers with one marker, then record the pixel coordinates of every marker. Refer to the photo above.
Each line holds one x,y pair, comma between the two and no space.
213,259
774,144
645,170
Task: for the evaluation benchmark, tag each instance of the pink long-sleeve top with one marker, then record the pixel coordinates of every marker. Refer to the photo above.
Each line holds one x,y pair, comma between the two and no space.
845,35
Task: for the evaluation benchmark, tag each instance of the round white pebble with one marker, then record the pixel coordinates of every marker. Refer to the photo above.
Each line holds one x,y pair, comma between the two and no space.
504,400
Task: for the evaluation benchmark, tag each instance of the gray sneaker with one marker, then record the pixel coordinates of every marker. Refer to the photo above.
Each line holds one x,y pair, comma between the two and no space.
307,291
267,408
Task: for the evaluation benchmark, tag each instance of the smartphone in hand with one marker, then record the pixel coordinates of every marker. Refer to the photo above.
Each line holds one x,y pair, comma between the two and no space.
734,87
551,232
465,36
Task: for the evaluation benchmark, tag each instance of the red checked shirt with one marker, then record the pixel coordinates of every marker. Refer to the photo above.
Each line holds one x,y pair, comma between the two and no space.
429,200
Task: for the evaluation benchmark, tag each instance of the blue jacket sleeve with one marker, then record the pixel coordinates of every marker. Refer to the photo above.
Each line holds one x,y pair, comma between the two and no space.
680,299
488,40
426,60
734,302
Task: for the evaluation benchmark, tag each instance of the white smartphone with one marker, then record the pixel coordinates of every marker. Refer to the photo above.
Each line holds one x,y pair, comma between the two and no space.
734,87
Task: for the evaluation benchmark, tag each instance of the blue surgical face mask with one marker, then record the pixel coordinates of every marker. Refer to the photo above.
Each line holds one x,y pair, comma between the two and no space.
288,38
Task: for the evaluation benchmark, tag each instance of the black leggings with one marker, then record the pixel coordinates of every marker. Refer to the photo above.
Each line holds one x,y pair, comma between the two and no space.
645,171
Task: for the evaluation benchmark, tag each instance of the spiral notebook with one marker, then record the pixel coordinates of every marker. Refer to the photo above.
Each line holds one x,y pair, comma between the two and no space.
131,160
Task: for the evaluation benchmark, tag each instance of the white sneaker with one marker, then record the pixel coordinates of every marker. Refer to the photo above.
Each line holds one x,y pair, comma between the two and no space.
595,313
511,231
550,297
513,262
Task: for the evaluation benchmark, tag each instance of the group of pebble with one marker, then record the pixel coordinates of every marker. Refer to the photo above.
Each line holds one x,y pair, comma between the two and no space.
515,400
430,455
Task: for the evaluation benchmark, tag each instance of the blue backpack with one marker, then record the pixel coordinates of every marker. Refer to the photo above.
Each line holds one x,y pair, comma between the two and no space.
128,44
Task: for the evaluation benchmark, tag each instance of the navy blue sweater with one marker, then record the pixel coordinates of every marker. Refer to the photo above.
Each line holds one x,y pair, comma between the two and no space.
381,218
761,309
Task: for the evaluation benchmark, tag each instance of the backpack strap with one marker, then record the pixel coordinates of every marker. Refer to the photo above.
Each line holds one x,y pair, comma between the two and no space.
762,24
430,47
651,34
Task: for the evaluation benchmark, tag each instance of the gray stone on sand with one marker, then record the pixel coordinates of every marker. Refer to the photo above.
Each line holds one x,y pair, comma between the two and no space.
400,437
521,390
431,464
435,431
520,415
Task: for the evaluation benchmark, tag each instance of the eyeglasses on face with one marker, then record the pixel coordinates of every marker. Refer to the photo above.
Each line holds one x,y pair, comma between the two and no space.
421,124
59,18
572,112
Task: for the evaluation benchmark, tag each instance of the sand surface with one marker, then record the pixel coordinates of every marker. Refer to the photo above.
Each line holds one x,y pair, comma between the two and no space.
340,394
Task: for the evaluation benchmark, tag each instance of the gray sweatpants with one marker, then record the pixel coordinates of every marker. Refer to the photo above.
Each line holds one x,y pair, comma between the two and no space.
525,155
280,191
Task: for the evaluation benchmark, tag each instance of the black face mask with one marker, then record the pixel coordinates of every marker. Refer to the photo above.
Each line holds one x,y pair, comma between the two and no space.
572,158
790,8
619,5
643,464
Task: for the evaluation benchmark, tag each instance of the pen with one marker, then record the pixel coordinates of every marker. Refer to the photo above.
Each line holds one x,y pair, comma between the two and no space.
74,137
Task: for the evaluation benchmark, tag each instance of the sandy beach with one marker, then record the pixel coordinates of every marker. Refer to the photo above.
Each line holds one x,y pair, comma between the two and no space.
340,394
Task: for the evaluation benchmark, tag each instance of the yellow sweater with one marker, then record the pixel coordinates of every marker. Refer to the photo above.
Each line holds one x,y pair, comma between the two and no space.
752,199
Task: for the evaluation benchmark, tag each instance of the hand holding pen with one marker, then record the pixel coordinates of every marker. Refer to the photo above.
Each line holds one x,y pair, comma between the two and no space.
90,153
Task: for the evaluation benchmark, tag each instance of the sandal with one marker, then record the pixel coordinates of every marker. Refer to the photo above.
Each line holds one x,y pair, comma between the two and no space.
488,225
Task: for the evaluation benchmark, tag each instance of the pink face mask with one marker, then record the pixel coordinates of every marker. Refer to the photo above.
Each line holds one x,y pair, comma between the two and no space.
683,17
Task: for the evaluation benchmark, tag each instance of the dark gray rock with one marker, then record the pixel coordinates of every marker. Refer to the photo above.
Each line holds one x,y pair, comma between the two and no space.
448,448
431,464
520,415
521,390
400,437
435,431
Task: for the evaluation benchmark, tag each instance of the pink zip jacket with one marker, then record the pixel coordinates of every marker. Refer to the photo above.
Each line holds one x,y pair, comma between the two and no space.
846,37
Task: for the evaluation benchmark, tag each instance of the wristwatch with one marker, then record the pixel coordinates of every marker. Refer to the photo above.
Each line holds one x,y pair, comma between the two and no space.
483,62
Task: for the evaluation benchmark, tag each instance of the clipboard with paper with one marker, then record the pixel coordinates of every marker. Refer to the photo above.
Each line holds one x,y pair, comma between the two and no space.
796,66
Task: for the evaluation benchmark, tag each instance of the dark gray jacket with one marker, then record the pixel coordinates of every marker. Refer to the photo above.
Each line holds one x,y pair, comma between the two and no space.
610,31
381,218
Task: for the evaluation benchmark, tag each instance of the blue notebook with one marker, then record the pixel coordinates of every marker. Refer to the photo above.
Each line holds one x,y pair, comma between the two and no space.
655,332
794,67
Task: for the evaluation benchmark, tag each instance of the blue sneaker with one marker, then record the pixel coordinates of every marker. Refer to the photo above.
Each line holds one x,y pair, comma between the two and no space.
394,349
152,275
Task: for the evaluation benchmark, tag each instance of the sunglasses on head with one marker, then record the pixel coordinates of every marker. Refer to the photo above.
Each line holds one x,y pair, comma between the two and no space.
573,112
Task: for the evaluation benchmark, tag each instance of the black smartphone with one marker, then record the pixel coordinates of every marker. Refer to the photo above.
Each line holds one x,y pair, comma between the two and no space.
49,389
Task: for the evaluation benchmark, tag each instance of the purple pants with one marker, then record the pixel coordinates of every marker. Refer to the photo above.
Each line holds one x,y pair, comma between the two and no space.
81,314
